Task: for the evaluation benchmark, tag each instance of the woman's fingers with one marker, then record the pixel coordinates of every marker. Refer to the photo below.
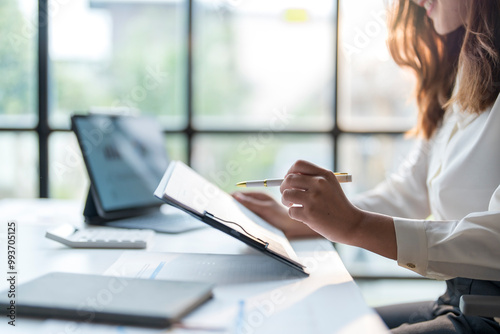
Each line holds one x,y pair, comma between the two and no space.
293,196
262,204
296,181
305,175
254,202
297,213
305,167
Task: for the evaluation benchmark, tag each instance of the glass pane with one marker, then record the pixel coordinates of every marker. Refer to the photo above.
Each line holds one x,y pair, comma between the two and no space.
176,146
374,93
119,54
255,60
18,24
228,159
67,172
19,167
370,158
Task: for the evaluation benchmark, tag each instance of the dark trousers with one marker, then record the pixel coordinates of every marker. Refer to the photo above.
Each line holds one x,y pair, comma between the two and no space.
443,315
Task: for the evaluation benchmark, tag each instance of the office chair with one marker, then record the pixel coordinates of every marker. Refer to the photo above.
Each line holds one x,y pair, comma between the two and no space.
484,306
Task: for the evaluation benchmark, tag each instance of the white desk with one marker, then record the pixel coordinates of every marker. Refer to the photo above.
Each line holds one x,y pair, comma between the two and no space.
326,301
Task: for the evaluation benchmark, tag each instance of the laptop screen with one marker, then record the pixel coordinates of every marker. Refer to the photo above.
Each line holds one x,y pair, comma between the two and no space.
125,158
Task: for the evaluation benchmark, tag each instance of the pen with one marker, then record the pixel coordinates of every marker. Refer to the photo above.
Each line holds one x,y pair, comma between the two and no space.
341,177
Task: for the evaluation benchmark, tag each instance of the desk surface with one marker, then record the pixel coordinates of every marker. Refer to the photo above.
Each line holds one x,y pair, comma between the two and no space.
327,301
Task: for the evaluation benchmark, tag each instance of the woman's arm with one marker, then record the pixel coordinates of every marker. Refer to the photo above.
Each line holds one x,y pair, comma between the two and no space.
468,247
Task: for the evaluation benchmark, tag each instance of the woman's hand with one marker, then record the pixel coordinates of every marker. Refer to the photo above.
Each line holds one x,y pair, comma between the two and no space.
314,196
274,213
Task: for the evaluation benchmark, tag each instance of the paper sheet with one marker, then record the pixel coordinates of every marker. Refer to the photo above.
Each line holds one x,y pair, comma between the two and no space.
185,188
219,269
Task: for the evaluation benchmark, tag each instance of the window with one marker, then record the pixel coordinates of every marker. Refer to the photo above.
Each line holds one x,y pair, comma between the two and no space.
108,53
252,58
264,84
263,93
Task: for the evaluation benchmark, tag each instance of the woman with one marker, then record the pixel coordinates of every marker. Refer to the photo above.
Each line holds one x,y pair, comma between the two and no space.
452,175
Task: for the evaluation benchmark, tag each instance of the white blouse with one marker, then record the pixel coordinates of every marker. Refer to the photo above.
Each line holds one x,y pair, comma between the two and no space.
454,178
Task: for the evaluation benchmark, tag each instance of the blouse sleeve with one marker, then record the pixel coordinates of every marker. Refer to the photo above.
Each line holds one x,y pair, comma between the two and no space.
435,249
403,194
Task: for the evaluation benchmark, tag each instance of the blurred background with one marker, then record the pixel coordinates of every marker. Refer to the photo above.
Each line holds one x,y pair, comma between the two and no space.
242,89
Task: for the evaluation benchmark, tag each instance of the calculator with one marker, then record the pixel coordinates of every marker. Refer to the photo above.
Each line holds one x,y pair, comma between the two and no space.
100,237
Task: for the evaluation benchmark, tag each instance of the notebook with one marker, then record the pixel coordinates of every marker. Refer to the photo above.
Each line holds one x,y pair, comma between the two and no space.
95,298
183,188
125,157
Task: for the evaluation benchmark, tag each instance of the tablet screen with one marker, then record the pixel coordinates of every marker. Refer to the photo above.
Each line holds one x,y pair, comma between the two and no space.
125,158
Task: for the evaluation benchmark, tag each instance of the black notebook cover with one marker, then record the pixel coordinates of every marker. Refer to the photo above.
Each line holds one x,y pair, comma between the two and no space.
118,300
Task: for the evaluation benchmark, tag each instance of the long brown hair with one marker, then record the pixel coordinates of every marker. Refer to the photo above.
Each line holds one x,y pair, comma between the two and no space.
435,59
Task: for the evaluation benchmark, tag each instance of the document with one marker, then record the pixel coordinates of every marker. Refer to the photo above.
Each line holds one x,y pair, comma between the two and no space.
220,269
236,278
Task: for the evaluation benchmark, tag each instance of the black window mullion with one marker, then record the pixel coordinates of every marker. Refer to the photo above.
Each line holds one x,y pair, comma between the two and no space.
43,129
336,130
189,131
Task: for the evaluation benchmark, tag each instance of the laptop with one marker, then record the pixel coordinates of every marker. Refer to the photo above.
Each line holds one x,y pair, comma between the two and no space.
125,157
185,189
